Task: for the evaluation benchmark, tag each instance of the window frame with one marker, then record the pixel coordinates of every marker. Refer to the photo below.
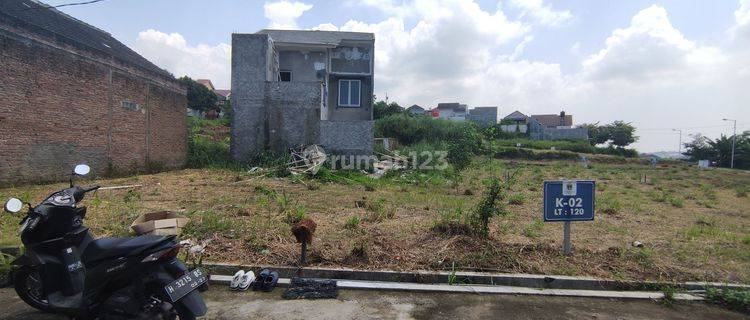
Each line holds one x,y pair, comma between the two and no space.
287,71
349,103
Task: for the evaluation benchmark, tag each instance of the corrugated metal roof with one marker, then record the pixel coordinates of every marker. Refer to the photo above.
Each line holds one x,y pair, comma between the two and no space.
332,38
48,22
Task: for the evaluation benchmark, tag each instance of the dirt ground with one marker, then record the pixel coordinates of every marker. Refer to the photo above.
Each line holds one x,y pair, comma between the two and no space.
693,224
224,304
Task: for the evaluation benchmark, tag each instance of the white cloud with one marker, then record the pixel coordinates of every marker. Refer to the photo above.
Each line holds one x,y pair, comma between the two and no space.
541,13
283,14
650,49
173,53
647,72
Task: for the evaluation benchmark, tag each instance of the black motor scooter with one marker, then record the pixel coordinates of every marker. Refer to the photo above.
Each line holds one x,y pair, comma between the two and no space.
65,270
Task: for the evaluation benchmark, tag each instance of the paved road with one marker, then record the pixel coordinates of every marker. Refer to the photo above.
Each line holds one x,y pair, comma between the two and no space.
224,304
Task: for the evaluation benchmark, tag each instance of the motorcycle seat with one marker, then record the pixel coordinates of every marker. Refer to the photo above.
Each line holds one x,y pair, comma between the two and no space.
119,247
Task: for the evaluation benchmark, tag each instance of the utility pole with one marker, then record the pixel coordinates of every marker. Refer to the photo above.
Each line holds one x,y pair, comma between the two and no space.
679,147
734,137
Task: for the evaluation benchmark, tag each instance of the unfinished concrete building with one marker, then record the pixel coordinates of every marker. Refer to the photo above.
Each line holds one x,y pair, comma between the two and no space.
292,88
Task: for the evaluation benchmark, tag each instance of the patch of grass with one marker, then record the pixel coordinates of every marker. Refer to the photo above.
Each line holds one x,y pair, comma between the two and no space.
610,204
451,222
296,215
379,211
642,256
676,202
516,199
206,223
352,223
733,299
746,240
5,260
131,196
532,230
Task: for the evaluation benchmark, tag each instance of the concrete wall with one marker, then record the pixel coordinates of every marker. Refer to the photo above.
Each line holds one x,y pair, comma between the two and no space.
347,137
539,132
293,113
252,55
483,116
61,105
302,65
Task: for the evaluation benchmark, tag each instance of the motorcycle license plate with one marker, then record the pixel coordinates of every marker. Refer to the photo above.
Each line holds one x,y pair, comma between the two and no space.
185,284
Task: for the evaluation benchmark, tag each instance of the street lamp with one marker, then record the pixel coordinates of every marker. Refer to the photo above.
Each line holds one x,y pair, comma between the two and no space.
734,137
679,146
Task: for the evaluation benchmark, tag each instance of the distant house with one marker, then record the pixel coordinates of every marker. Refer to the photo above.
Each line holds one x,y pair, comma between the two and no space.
484,116
516,122
554,120
555,127
451,111
221,94
516,117
416,110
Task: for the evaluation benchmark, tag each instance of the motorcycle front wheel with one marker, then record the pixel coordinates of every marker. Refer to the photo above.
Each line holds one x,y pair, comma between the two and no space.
28,285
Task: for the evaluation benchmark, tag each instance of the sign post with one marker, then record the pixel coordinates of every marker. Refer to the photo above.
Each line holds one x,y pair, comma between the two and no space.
567,201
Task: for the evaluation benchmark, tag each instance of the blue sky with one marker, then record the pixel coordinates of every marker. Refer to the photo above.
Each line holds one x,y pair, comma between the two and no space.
658,64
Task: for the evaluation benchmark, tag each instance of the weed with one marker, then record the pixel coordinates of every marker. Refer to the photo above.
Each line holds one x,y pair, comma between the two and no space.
734,299
610,204
451,222
669,293
131,196
532,230
352,223
516,199
452,275
490,205
642,256
296,215
379,211
746,240
676,202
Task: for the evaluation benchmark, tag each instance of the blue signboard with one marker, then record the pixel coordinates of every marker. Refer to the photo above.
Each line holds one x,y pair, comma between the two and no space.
569,200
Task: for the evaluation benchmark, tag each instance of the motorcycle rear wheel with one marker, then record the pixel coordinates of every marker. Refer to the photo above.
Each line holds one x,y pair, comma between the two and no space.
28,285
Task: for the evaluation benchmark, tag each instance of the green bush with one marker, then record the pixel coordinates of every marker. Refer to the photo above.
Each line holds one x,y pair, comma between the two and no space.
411,130
580,146
490,205
734,299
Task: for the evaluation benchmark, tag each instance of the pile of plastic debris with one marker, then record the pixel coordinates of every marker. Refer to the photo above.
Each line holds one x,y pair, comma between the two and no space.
307,159
388,162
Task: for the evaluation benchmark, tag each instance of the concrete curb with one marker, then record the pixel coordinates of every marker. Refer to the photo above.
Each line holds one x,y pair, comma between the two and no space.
475,278
482,289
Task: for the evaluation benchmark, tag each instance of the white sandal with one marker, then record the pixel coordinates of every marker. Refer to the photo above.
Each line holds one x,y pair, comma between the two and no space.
246,280
235,284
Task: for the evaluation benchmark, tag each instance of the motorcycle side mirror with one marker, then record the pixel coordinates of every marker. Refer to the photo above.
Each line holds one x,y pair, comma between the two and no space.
81,170
13,205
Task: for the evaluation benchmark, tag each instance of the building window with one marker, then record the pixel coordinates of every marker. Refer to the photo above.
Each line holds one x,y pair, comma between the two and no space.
349,93
285,76
129,105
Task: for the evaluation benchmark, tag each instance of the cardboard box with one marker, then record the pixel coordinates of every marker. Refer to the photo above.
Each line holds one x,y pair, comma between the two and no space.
159,223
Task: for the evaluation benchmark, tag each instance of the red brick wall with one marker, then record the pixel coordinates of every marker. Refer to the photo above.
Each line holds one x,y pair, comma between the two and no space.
59,107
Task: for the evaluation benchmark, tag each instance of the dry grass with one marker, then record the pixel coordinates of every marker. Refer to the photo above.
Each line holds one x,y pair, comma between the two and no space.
694,224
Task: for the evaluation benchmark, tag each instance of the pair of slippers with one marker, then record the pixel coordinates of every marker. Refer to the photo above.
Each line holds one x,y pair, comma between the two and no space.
265,281
242,280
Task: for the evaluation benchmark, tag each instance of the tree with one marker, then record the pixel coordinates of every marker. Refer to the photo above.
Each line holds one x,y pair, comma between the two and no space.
381,109
719,151
597,134
199,97
621,133
699,148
